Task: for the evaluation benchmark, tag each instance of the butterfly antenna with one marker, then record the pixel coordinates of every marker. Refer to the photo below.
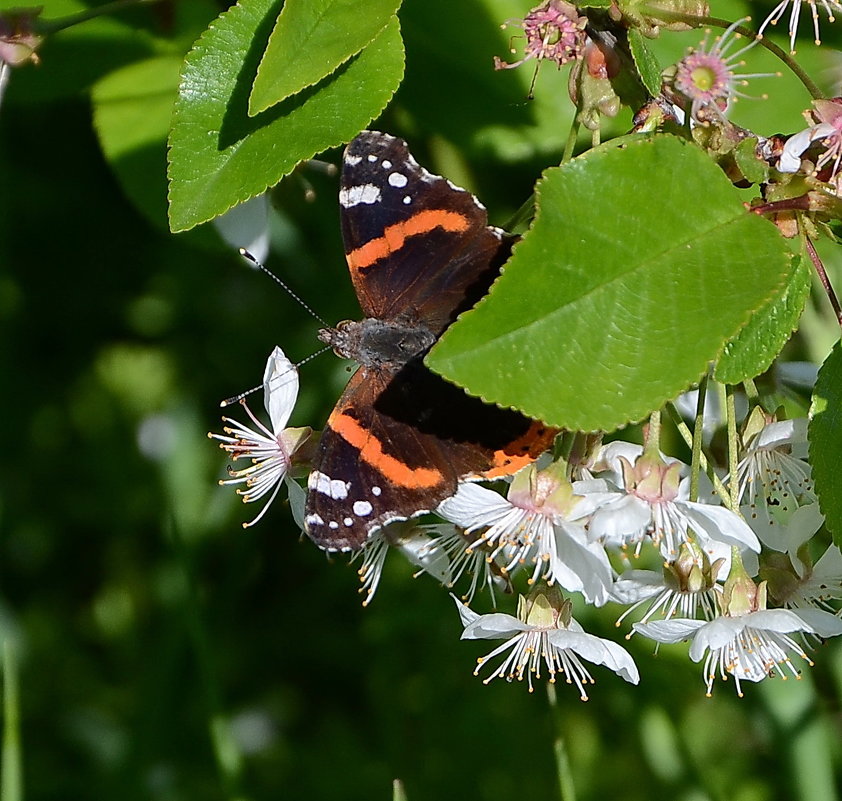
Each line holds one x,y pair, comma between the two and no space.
246,255
238,398
313,356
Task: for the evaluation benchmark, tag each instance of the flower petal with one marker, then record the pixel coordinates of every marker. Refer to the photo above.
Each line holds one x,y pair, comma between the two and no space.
796,145
422,551
597,650
473,506
579,565
496,626
785,621
280,389
297,497
721,524
782,432
637,585
622,519
669,631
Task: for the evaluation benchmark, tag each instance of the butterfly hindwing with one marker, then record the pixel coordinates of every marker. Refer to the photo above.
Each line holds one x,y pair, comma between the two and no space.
397,445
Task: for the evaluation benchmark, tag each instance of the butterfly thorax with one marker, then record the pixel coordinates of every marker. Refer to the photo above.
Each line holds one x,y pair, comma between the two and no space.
383,344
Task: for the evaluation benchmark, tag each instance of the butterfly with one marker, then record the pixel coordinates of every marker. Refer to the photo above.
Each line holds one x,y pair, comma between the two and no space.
400,439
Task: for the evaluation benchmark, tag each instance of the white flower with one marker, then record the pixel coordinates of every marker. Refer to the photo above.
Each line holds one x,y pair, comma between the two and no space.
825,124
413,542
785,529
653,500
270,450
544,633
817,584
465,555
795,13
748,647
771,467
780,504
686,586
540,524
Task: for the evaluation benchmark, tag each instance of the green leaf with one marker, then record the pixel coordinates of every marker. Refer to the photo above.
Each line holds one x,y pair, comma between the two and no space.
754,349
751,166
825,435
219,156
132,112
646,63
310,40
641,263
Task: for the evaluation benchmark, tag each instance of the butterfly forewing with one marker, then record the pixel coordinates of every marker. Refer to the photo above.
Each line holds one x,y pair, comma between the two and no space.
427,247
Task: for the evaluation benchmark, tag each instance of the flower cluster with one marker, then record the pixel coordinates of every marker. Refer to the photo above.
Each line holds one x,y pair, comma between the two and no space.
731,554
623,525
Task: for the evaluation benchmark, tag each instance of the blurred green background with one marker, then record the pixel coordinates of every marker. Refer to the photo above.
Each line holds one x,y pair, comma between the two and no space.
153,636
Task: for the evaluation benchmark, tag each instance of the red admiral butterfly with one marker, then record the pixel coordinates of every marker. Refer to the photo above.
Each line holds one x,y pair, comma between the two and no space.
420,252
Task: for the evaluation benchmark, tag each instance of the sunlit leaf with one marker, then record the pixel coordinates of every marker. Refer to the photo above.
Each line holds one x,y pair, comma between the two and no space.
646,63
752,351
641,263
219,156
132,111
310,40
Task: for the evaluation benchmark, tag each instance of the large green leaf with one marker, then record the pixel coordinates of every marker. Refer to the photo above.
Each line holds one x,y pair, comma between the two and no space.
825,435
132,112
641,263
219,156
310,40
754,349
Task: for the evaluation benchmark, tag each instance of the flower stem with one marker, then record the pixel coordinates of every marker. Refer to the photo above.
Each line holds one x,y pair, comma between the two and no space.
687,436
822,273
653,435
698,426
570,145
11,788
733,444
566,787
716,22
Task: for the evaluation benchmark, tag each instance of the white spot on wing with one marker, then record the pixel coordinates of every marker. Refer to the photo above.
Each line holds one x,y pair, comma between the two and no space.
348,521
333,524
314,520
386,165
376,490
372,158
352,161
362,508
333,488
407,200
397,180
355,195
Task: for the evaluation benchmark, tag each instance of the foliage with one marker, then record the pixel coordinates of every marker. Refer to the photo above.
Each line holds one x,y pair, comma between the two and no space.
151,650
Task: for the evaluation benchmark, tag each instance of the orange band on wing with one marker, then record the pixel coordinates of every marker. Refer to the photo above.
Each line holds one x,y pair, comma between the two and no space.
523,451
395,235
372,453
